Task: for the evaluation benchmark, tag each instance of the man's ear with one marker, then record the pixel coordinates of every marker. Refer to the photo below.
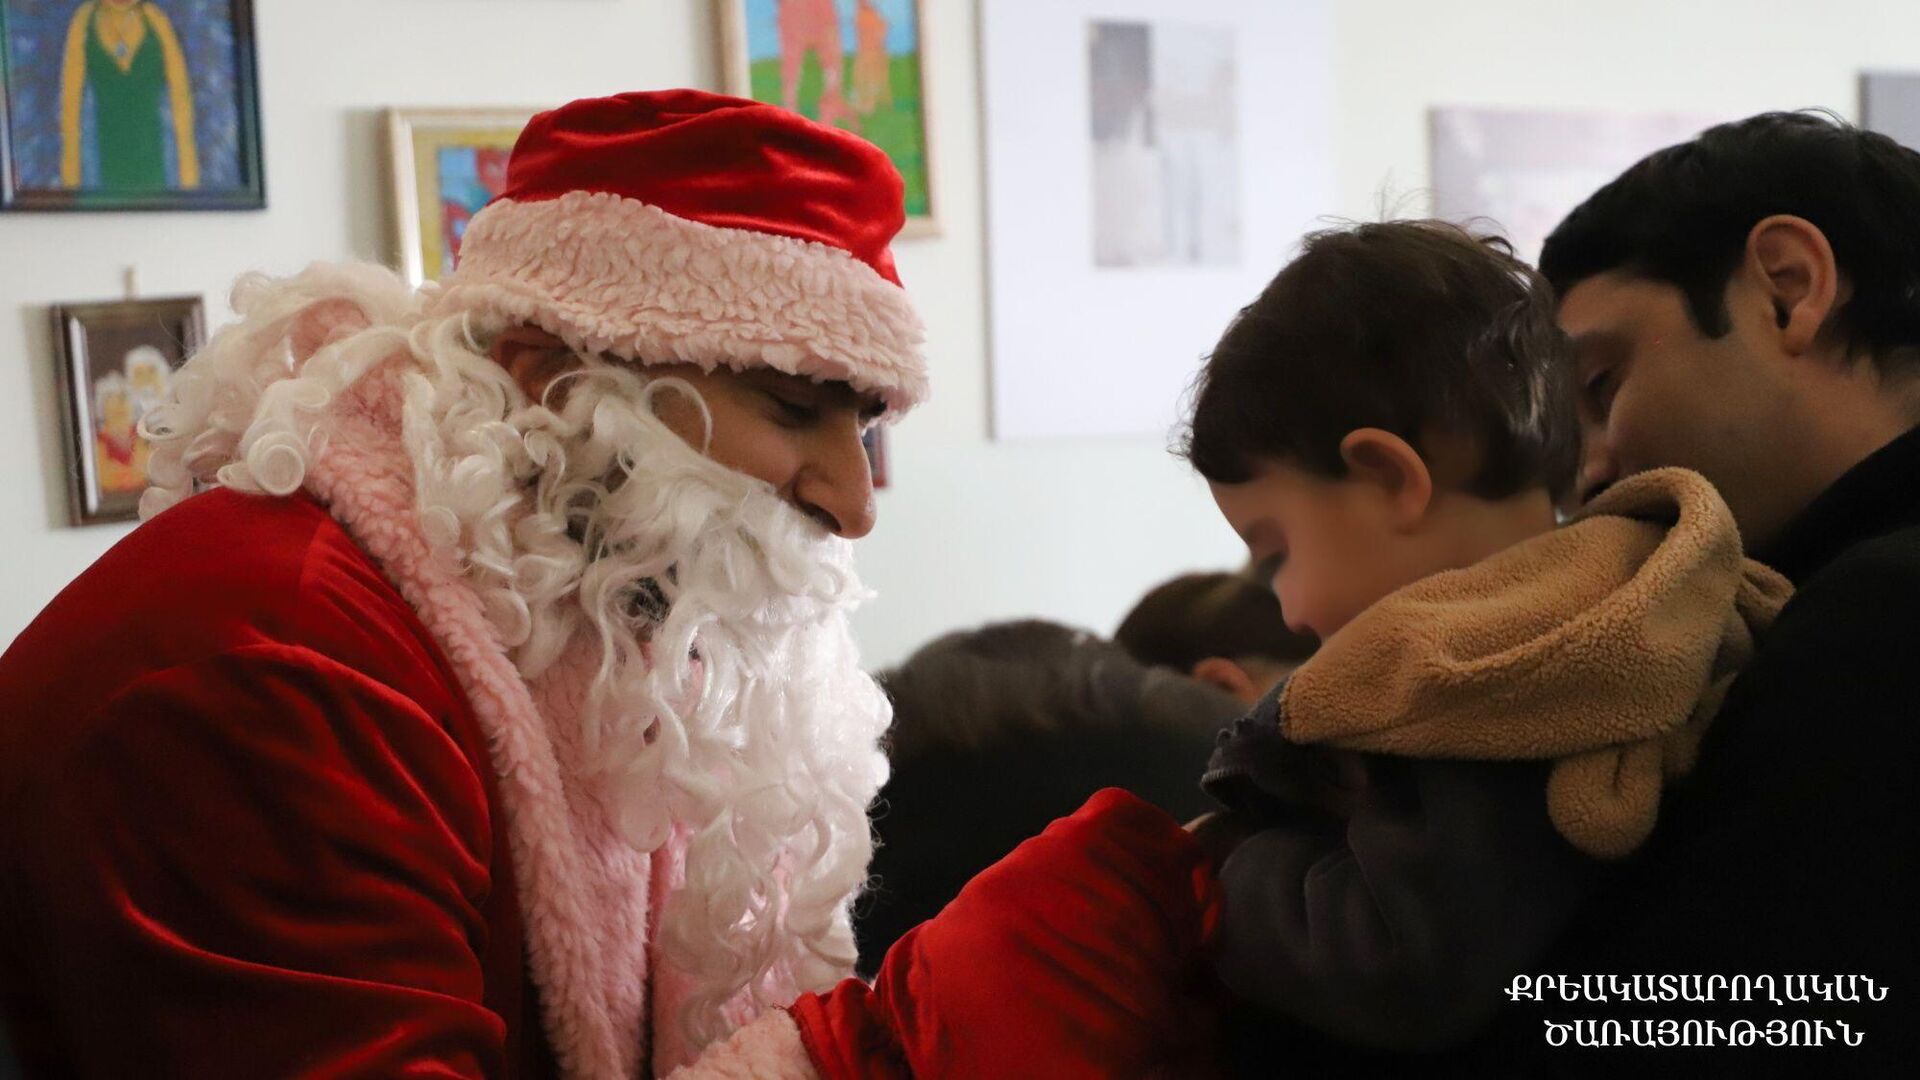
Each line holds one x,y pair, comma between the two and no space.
533,357
1391,465
1790,261
1227,675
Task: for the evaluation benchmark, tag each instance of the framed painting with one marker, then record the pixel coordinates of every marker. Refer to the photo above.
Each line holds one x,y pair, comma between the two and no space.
129,105
855,64
1890,105
1173,155
447,164
116,362
1520,171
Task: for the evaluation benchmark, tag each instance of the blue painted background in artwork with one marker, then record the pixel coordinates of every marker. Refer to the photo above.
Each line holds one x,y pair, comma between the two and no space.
763,32
36,36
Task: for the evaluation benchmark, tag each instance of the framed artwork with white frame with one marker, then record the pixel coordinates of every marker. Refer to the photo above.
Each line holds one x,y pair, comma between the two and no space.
446,164
1518,172
1150,166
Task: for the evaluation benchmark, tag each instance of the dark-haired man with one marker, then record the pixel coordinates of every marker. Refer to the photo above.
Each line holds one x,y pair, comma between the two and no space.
1748,305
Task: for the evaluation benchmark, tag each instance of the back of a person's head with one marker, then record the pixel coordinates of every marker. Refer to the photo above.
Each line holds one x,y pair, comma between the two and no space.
1194,617
999,731
1418,328
1683,215
1003,683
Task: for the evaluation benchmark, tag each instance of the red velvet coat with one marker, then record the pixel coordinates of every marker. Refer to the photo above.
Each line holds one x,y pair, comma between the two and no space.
248,820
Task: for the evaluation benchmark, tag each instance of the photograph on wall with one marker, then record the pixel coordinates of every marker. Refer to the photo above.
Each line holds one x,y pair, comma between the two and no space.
1519,172
116,362
447,164
854,64
1890,105
128,105
1162,119
1129,186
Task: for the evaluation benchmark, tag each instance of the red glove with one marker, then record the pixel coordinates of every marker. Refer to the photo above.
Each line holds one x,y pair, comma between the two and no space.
1080,954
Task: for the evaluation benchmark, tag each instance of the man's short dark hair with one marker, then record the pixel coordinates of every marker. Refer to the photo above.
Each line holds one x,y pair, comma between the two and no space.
1683,214
1415,327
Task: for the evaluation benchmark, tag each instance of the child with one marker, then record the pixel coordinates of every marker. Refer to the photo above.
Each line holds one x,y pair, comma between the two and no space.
1496,703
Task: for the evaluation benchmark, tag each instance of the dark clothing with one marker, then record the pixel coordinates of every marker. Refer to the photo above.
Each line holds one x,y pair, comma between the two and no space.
1790,851
947,815
1394,918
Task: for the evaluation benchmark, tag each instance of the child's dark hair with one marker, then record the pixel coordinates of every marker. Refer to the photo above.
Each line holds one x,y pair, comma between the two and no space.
1415,327
1682,216
1195,616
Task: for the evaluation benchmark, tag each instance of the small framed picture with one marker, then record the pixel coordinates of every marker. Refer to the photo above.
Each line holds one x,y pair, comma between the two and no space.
129,105
854,64
116,362
447,164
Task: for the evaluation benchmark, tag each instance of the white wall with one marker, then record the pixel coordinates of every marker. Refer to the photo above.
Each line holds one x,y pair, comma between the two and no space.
971,529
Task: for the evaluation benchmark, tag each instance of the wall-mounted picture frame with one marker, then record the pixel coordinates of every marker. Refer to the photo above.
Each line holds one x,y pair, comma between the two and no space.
1890,105
1518,172
129,105
1178,153
115,361
855,64
446,164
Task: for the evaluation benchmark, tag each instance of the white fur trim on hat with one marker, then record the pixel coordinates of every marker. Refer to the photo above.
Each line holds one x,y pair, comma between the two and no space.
610,274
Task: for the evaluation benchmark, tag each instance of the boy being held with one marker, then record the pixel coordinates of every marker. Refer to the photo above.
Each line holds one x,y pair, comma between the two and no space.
1497,703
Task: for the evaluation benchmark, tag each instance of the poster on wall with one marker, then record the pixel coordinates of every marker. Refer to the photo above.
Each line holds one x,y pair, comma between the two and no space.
1890,105
1519,172
1151,164
854,64
129,105
116,361
447,164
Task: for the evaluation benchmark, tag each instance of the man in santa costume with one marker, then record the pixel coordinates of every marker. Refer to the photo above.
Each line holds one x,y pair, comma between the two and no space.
492,709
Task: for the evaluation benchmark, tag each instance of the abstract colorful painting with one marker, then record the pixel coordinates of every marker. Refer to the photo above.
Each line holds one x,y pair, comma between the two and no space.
117,361
855,64
447,164
128,105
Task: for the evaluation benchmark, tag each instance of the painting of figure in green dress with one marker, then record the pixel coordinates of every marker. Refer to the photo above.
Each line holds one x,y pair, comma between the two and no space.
855,64
128,104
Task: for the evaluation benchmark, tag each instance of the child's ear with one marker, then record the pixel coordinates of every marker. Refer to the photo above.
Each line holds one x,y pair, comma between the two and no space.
1227,675
1395,468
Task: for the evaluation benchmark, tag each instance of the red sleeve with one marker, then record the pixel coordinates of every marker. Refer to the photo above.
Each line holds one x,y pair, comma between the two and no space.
263,864
1079,955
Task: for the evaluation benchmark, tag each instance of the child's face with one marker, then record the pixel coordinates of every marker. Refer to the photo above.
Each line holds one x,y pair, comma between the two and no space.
1331,544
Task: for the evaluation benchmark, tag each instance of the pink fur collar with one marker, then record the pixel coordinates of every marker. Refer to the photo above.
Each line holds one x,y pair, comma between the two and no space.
583,891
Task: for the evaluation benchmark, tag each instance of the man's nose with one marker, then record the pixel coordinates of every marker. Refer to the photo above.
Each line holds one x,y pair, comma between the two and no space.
1598,469
836,485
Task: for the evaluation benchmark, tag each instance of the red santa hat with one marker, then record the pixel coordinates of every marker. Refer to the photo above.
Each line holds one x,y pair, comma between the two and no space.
680,226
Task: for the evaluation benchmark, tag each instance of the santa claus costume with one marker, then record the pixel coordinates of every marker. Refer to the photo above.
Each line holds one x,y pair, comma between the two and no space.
447,732
454,733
